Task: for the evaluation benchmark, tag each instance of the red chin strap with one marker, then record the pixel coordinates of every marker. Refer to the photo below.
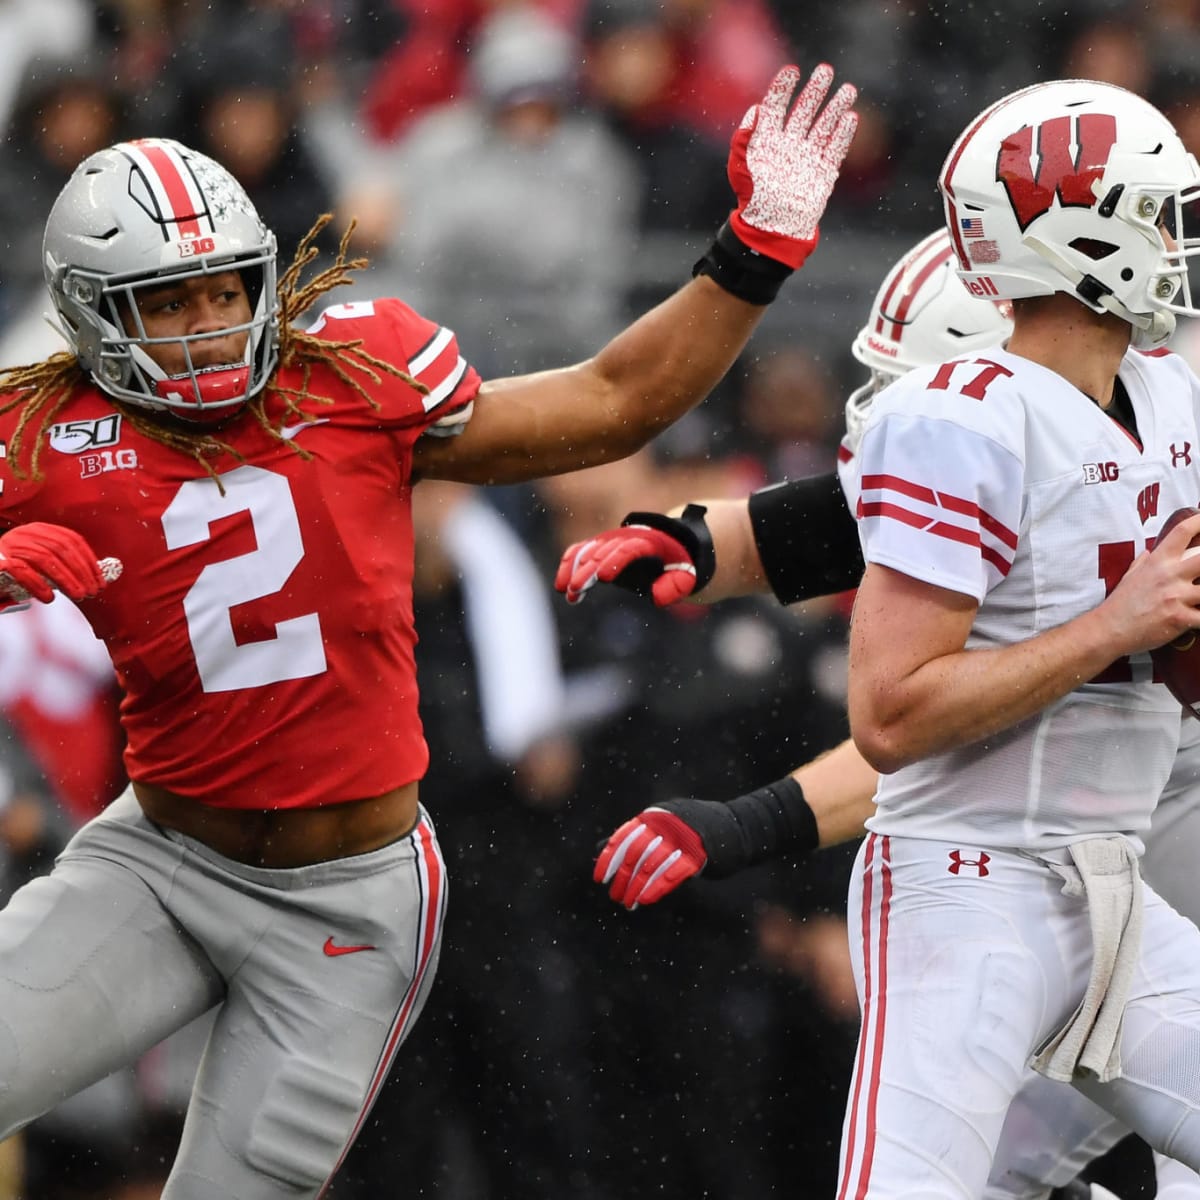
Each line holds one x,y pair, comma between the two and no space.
217,386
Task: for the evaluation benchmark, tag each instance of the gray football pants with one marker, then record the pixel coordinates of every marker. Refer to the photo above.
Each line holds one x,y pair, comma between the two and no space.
318,974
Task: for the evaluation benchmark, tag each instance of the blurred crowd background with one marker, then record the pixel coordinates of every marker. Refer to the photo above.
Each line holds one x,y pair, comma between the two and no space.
532,174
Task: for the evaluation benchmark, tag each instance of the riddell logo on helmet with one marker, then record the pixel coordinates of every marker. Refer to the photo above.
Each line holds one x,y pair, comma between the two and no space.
981,285
881,347
1070,154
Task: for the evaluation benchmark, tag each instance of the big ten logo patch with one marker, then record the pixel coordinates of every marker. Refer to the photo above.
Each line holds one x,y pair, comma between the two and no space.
106,460
87,440
1105,472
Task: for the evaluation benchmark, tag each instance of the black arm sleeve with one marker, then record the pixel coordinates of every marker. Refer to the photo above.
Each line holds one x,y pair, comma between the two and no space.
806,538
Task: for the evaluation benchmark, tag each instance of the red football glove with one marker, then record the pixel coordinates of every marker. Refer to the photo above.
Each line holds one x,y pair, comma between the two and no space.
653,560
783,167
651,554
649,857
37,558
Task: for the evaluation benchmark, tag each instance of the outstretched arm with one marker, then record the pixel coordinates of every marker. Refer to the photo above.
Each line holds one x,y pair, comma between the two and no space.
795,539
823,803
783,165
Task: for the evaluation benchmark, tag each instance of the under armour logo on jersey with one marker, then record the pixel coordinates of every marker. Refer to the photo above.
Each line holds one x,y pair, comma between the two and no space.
957,863
1181,457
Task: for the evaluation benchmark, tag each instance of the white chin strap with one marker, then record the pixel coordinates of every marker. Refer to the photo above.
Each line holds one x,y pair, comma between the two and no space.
1150,330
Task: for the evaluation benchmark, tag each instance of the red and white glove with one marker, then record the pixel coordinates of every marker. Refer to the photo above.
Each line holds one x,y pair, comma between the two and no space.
649,857
633,556
666,558
783,166
39,558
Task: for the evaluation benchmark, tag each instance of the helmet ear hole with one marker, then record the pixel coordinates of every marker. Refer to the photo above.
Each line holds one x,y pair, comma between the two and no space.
1093,248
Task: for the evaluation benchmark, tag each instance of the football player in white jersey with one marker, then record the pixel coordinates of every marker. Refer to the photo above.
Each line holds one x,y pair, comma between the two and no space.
1032,231
797,540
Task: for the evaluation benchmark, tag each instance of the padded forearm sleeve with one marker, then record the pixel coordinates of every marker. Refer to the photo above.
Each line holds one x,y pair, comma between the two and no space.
806,538
750,829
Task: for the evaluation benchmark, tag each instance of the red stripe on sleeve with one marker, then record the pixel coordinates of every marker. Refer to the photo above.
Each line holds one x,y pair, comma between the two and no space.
967,508
921,521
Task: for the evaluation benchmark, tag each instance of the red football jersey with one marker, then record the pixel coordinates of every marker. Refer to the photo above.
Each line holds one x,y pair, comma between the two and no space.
264,637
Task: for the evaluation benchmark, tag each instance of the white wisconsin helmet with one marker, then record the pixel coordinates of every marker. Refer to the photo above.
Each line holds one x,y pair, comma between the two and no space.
140,214
1062,187
922,315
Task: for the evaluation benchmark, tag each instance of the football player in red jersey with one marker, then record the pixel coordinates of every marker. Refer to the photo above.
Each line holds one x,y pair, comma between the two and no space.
271,858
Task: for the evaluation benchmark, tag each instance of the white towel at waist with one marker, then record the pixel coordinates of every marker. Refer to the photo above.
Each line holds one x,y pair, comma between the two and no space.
1105,870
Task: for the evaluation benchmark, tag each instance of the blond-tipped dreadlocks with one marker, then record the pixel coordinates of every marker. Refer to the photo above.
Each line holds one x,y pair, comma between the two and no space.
42,389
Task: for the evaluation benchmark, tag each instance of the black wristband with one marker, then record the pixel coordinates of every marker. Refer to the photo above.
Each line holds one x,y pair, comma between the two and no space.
691,530
806,538
743,272
760,825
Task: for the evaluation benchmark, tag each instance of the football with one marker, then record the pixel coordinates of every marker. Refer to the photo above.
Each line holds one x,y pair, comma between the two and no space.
1177,663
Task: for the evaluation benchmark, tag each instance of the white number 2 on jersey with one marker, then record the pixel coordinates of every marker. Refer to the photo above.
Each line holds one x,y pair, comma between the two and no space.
296,651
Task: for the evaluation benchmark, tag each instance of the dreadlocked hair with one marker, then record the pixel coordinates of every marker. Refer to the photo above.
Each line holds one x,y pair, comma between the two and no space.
41,390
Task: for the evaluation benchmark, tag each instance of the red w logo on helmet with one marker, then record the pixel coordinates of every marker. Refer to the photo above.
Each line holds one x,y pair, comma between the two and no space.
1071,155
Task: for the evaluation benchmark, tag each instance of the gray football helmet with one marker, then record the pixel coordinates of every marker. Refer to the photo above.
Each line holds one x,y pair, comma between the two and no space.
140,214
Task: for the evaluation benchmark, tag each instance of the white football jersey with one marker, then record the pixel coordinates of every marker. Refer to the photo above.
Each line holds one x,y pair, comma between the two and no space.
995,477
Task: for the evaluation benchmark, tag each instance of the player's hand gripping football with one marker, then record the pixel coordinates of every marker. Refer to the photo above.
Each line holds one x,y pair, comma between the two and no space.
1158,598
651,554
39,558
783,165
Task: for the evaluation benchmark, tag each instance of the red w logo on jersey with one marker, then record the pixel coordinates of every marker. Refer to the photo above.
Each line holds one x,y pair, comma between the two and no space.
1071,154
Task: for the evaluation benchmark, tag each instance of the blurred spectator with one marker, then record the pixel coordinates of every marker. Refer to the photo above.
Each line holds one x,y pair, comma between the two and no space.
630,71
494,1085
81,1148
685,701
427,65
239,105
63,113
58,690
789,414
511,213
719,55
1114,50
38,32
33,828
802,941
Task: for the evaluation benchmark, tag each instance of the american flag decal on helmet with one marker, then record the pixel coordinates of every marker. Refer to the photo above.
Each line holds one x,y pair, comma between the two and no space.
163,184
